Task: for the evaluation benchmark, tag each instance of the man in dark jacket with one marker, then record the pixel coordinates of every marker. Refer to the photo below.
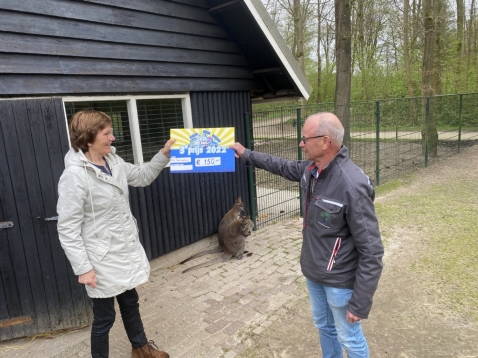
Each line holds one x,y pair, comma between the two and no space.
342,250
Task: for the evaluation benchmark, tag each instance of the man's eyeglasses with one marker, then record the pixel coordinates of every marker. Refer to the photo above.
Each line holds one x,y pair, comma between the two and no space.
304,139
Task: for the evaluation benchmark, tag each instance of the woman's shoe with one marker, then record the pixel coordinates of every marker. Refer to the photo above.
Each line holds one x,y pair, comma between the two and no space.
149,350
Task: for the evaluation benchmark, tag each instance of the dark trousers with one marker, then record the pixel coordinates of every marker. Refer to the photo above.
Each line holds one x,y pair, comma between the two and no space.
104,317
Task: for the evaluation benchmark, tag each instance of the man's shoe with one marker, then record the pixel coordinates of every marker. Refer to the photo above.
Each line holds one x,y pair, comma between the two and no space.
150,350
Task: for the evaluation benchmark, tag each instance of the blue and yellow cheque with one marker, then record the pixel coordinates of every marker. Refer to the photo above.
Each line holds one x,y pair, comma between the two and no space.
202,150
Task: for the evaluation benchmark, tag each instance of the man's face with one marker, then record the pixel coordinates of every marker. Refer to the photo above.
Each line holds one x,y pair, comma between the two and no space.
312,147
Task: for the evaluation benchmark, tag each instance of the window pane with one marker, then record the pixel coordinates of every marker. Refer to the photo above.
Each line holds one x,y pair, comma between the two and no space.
156,117
118,112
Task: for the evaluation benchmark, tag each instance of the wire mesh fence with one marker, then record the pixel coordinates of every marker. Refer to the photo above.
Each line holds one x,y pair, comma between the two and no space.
387,139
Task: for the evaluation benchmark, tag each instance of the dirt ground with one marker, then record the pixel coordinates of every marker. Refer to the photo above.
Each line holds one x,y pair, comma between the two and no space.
408,318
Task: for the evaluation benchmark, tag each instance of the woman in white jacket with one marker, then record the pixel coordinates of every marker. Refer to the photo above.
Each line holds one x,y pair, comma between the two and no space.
98,232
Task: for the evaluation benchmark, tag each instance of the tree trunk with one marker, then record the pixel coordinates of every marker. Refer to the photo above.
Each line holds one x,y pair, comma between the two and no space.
406,57
343,51
429,133
471,43
360,23
298,34
319,58
460,23
406,46
439,10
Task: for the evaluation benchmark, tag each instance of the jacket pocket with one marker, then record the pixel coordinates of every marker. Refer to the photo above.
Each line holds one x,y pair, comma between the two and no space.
103,246
329,213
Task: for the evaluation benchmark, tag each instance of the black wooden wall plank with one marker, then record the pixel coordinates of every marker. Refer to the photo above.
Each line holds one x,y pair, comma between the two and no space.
33,154
160,208
76,66
162,8
24,263
10,304
40,64
21,43
143,221
5,332
13,63
168,207
176,190
195,205
158,248
185,218
65,28
63,9
199,3
51,160
167,24
152,220
151,226
114,16
41,84
165,215
62,134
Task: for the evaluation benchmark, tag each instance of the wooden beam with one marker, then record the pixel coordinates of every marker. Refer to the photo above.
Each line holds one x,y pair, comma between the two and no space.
268,71
43,45
15,321
224,7
268,85
27,84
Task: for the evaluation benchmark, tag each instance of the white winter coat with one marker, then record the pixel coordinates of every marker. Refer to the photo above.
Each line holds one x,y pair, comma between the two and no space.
95,224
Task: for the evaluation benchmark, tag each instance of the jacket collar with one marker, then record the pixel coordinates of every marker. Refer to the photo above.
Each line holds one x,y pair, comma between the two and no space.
73,158
79,159
341,155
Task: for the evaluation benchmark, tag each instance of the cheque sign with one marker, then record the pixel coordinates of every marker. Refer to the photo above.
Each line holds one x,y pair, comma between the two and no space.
201,150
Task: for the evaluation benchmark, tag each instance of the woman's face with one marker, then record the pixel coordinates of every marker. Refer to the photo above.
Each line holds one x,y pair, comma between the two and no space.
102,144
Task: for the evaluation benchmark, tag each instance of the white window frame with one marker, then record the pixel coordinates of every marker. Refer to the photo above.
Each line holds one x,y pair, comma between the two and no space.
133,115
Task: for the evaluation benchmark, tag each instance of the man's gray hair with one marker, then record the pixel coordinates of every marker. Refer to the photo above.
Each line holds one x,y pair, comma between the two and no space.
330,125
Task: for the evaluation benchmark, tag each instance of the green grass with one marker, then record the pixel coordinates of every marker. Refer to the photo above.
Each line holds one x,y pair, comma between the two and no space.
392,185
448,215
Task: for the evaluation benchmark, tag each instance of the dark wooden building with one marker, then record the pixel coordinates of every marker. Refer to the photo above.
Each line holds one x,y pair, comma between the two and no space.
151,65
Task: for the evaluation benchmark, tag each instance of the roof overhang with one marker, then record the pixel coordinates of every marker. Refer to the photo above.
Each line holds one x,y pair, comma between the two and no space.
272,63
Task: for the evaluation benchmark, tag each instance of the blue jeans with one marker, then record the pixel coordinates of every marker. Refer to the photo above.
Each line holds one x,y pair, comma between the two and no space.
104,317
329,311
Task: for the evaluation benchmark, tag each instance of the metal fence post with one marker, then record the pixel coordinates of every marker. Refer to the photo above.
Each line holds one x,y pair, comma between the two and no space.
250,171
299,154
282,121
459,121
377,143
427,123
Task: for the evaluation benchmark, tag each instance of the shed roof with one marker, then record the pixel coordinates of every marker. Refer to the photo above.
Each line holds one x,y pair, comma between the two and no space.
250,26
113,47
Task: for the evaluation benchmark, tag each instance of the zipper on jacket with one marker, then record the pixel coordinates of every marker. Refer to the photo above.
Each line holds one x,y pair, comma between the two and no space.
310,189
309,194
334,253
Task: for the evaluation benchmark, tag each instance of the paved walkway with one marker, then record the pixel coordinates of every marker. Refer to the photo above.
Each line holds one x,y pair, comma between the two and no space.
209,312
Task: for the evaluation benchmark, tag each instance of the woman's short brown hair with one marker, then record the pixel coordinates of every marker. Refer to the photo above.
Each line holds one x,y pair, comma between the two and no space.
84,127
